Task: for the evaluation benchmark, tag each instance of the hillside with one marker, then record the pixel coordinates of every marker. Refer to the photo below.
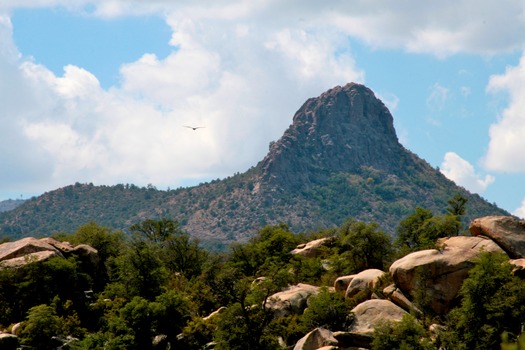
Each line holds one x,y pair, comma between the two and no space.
339,158
10,204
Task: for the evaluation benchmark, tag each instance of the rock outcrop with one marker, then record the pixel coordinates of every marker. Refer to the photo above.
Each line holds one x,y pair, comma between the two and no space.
313,248
341,130
27,250
363,281
508,232
371,313
440,272
317,339
293,300
341,283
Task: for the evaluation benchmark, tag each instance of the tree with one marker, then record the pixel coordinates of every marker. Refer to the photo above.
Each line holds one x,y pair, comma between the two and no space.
108,244
156,231
40,326
421,229
457,208
407,334
328,310
141,270
409,230
365,245
245,323
177,250
457,205
493,303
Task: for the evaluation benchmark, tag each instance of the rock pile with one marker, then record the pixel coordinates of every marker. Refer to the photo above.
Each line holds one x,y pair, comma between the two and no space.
440,272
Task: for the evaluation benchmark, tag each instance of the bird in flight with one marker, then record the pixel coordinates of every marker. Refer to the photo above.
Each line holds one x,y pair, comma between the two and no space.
194,127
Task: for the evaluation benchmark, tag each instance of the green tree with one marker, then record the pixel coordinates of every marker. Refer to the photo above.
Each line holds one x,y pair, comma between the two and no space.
410,228
493,303
177,250
141,270
421,229
328,310
407,334
364,245
245,323
457,208
108,244
40,326
272,245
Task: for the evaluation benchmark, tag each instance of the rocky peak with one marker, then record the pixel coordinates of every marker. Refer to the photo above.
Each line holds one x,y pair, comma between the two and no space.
340,131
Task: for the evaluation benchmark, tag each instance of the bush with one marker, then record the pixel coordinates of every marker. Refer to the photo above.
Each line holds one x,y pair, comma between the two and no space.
408,334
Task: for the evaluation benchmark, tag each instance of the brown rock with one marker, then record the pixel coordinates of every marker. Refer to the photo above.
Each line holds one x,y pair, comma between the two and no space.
440,272
364,280
316,339
25,246
507,231
341,283
396,296
371,313
293,300
27,259
312,249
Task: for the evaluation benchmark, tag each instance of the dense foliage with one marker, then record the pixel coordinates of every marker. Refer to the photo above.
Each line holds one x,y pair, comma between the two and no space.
157,286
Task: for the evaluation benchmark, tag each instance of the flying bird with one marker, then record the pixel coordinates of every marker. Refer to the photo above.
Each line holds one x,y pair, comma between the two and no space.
194,127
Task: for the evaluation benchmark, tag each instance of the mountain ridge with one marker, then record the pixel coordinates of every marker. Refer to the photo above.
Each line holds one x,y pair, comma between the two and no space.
339,158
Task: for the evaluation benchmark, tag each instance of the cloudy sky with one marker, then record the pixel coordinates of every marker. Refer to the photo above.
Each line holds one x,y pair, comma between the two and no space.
100,90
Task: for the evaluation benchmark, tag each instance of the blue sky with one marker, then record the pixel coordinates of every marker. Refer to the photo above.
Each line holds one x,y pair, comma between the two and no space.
99,91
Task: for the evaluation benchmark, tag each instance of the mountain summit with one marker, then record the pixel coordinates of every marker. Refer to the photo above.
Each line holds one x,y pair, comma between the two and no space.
339,158
340,131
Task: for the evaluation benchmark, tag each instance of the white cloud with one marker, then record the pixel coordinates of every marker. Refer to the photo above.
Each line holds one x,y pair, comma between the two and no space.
438,97
239,68
462,173
520,212
229,80
507,141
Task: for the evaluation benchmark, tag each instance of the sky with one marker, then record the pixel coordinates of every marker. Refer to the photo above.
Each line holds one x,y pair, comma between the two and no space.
100,91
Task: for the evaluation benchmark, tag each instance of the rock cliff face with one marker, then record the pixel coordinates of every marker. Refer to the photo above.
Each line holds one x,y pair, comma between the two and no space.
340,131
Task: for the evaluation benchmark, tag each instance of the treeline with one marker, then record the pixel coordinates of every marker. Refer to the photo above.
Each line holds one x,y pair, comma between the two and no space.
157,286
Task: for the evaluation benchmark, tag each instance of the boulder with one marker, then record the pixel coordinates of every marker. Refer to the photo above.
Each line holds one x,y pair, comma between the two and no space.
507,231
312,249
64,247
25,246
396,296
28,258
292,300
30,249
353,341
15,329
316,339
215,313
341,283
440,272
363,281
371,313
8,341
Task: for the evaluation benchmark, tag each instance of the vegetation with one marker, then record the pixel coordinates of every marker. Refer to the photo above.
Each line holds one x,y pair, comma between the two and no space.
157,285
235,208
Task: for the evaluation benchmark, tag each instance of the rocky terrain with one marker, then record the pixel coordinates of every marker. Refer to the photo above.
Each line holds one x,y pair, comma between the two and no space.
438,273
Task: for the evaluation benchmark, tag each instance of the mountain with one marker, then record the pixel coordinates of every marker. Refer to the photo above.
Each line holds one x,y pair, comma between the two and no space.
10,204
339,158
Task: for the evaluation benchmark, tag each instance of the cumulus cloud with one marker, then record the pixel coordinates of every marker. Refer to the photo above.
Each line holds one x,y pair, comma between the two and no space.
239,68
520,212
507,141
222,79
462,173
